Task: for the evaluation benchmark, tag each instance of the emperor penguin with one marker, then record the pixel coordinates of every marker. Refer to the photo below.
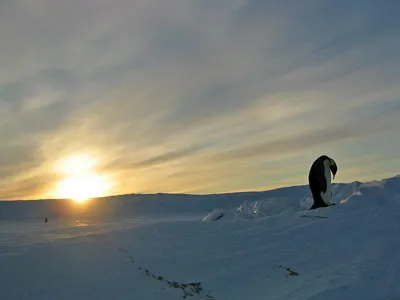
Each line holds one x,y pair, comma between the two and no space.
319,179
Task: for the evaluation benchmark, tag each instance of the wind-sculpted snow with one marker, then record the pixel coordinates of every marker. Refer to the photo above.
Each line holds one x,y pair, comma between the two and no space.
137,205
245,204
383,190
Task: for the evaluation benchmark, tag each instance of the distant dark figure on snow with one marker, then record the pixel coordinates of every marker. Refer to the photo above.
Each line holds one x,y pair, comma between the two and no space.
45,220
319,180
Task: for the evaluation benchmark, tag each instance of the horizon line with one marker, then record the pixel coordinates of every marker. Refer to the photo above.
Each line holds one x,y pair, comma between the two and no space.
199,194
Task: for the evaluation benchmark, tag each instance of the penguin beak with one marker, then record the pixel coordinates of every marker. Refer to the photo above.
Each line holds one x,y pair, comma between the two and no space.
334,170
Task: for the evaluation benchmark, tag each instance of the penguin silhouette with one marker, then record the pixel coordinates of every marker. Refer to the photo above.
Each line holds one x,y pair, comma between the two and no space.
319,180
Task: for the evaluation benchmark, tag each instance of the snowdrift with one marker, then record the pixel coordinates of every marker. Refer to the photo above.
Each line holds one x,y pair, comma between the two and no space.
137,205
247,204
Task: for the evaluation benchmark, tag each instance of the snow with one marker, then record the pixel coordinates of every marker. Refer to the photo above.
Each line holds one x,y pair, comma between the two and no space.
268,245
215,215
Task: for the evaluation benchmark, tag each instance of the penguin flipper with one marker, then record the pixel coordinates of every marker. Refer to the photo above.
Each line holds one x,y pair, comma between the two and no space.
322,180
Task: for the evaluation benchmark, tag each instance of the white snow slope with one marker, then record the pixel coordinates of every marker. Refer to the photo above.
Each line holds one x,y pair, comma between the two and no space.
349,251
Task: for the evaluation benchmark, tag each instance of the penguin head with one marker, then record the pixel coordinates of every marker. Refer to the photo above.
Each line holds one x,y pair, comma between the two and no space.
333,167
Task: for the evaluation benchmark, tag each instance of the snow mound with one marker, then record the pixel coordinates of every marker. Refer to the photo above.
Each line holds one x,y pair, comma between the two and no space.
268,207
214,215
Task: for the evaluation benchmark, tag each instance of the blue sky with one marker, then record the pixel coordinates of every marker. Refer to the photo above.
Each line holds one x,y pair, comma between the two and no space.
198,96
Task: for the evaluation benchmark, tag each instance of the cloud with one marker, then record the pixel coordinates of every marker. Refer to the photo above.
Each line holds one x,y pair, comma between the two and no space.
297,143
212,90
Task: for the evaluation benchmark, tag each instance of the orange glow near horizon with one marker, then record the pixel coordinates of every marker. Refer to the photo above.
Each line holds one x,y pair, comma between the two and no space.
81,181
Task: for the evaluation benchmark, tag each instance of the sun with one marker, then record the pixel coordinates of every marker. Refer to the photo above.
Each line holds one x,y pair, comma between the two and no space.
81,182
83,187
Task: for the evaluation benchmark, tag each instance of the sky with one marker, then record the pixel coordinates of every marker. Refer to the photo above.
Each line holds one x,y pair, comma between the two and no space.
189,96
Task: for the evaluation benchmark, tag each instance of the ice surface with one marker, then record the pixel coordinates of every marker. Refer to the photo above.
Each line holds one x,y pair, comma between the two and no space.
347,251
